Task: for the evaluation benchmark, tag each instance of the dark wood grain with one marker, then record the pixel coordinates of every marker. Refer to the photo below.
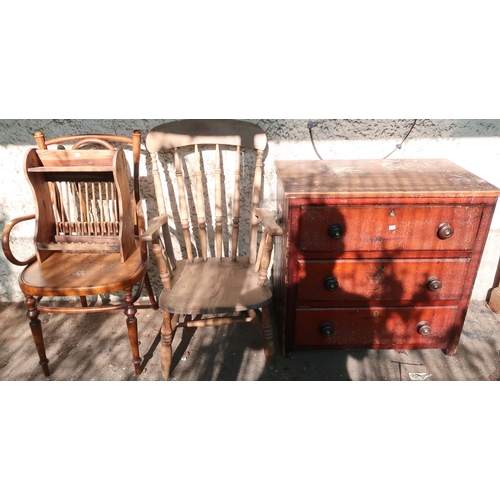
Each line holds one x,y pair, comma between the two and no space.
362,239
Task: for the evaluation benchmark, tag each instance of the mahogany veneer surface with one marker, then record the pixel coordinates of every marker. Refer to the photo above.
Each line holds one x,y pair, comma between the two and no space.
398,267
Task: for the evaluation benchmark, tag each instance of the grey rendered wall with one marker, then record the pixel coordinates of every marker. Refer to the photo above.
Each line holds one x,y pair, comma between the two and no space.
473,144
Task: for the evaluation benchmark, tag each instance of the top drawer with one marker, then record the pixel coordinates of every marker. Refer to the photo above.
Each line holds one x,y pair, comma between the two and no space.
388,227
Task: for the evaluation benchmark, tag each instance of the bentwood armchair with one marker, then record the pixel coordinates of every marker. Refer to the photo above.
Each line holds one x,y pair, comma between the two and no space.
88,223
221,274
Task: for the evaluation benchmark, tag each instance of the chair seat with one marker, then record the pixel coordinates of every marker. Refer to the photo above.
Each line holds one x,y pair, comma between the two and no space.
214,286
69,274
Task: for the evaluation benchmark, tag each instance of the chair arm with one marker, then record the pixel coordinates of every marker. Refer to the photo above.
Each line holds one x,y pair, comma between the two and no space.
6,241
154,226
269,222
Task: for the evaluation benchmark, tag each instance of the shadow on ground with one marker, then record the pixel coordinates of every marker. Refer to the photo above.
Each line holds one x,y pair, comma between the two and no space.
96,347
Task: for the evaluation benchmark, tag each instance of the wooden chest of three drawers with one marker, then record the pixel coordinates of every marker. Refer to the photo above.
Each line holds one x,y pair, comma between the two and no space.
377,254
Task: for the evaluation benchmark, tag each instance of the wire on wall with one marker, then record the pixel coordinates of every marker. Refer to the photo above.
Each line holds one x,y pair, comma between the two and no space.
398,146
311,125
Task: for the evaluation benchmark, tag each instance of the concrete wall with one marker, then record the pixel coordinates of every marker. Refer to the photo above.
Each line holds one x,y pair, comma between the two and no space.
473,144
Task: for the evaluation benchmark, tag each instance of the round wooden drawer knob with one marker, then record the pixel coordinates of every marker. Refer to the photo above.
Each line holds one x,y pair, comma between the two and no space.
335,231
445,231
433,284
326,329
423,328
331,283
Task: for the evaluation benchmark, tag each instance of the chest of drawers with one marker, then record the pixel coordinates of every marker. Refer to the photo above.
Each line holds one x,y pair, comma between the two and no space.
377,254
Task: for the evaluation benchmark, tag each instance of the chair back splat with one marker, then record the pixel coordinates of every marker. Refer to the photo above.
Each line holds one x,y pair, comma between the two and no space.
82,202
213,264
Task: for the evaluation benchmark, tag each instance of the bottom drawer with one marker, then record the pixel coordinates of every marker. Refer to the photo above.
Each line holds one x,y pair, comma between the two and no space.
375,328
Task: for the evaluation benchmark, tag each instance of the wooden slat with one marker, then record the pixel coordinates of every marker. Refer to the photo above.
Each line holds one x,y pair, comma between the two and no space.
78,212
62,207
57,169
74,215
102,210
218,321
200,201
95,225
114,211
89,227
107,216
70,138
236,204
160,201
84,238
183,205
254,221
63,158
80,247
218,203
67,205
83,219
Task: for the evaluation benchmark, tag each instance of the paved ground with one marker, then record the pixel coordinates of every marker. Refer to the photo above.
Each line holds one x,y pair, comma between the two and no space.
96,347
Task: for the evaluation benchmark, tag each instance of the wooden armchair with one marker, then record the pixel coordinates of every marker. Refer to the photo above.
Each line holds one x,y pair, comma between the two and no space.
212,284
87,231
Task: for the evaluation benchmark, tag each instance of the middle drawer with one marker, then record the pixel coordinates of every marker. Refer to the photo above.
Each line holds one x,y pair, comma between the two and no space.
381,279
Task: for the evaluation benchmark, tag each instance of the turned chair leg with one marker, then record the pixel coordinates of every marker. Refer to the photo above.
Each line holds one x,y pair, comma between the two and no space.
151,295
36,331
266,330
166,344
130,312
267,333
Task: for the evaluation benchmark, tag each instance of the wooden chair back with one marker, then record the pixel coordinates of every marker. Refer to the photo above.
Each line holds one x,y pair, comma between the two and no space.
203,220
82,196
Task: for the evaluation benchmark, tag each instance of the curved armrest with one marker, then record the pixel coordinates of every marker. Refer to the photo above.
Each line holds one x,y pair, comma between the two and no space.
139,215
271,229
269,222
154,226
6,241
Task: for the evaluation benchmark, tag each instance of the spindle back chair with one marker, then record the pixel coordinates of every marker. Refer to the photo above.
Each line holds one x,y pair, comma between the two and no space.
87,231
219,273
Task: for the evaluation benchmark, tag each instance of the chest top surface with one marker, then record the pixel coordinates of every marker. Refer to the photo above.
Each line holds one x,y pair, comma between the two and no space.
365,178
